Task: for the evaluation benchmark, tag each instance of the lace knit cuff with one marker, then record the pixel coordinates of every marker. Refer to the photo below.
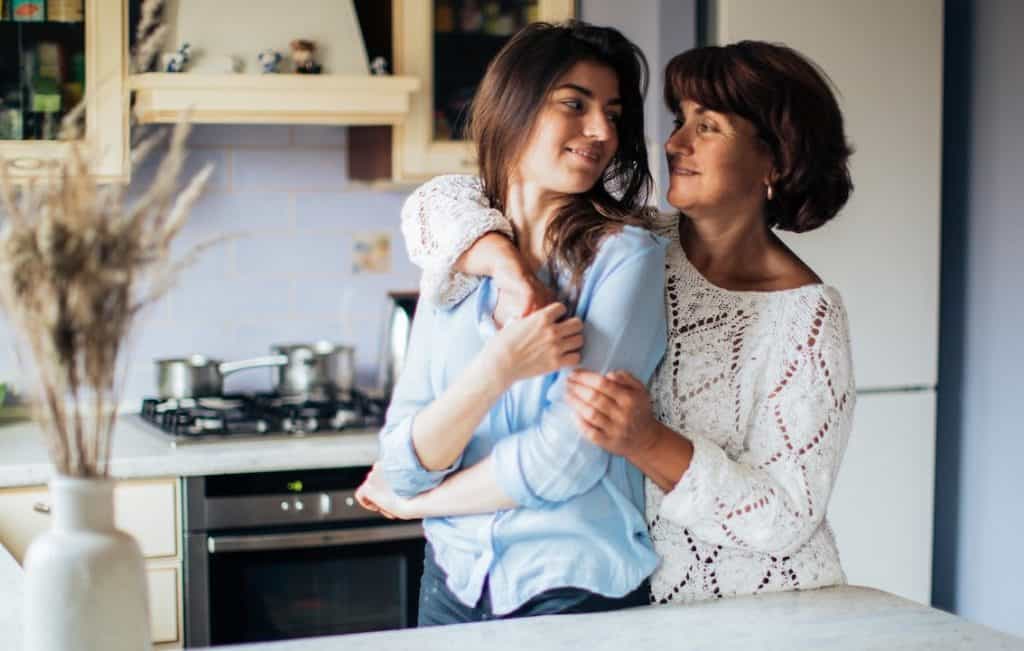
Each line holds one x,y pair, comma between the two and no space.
441,284
692,500
473,224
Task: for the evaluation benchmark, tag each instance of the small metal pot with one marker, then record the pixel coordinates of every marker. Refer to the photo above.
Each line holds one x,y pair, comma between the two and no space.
198,376
320,368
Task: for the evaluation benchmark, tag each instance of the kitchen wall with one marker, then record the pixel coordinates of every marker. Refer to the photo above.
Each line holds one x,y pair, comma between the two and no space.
979,520
289,275
663,30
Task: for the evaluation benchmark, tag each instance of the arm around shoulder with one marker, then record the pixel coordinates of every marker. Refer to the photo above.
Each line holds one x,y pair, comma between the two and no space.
441,220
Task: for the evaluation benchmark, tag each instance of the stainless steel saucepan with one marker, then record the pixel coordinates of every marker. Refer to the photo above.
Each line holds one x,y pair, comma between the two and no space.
321,368
318,368
198,376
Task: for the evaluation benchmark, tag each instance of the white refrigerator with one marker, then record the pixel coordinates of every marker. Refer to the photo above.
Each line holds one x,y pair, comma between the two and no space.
882,253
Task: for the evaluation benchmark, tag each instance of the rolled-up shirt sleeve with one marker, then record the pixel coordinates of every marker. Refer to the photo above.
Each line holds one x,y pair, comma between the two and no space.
398,460
624,329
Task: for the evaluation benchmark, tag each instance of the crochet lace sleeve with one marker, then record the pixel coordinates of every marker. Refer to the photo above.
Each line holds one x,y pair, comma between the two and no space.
772,497
441,219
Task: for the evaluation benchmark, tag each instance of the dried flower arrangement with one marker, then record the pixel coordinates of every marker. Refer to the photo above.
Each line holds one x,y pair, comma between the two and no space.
77,265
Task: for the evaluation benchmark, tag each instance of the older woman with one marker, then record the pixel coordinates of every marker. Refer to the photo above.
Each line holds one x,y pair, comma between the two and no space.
742,433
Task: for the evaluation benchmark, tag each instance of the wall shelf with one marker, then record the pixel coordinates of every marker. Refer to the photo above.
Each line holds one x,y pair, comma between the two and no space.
273,98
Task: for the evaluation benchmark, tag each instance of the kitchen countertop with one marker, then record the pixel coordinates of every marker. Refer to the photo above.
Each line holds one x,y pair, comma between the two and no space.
844,617
12,582
141,450
839,618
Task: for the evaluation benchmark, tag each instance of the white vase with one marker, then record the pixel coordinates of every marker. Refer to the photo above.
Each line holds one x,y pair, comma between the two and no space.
85,582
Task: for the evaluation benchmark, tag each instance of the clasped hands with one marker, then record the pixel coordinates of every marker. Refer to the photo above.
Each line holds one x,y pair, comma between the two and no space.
612,410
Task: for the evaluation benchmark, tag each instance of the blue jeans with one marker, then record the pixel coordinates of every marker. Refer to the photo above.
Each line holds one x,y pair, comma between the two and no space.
439,606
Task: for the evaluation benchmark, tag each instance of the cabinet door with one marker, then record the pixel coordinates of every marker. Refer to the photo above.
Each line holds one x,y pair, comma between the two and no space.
52,54
447,44
882,251
146,509
163,603
24,514
881,508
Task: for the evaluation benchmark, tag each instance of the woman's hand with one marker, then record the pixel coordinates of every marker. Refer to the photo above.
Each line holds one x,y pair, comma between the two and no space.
375,494
613,411
535,345
520,292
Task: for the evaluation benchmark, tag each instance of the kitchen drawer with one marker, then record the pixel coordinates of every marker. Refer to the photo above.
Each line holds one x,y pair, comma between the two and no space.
19,522
163,603
146,509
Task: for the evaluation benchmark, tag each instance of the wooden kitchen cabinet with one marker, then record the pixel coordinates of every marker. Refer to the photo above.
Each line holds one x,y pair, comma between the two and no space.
165,605
345,94
446,44
149,510
41,66
20,523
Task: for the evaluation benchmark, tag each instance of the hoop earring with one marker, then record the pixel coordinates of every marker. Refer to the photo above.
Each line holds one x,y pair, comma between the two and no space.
769,191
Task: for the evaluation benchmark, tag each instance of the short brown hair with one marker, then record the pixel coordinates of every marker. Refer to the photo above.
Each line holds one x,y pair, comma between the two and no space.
790,102
507,104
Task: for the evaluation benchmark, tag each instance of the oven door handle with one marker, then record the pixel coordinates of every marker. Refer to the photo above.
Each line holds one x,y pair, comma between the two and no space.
311,539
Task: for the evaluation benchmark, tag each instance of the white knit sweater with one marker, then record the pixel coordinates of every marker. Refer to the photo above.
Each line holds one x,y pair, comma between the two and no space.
760,382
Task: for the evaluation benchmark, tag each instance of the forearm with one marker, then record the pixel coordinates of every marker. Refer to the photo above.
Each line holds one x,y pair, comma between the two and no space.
769,504
442,430
468,492
554,461
442,217
494,255
666,460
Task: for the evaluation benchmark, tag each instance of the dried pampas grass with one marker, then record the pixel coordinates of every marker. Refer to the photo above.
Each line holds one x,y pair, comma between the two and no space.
77,265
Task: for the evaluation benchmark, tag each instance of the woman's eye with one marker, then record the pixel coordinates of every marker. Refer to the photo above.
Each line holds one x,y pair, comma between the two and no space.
574,104
705,127
677,124
615,118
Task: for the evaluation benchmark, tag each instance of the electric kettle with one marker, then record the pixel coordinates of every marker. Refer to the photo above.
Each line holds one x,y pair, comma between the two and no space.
395,342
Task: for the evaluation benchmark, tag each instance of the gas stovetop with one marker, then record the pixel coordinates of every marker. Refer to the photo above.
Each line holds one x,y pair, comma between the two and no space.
259,416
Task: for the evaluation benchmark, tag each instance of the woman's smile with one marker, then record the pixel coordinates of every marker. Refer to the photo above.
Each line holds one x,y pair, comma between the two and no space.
591,155
681,170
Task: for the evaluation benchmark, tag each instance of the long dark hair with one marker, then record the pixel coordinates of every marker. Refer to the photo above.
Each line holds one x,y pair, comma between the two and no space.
510,97
789,101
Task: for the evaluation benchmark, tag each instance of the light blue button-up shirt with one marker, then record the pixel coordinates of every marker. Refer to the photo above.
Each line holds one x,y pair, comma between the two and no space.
580,522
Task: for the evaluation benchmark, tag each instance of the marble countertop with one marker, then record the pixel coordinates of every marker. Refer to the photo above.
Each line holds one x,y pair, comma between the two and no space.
140,450
839,618
11,580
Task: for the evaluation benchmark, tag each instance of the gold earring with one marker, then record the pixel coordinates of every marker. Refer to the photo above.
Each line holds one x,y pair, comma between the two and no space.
769,191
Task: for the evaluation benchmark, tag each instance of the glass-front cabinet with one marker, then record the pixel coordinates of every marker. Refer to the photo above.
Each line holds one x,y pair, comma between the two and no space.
55,54
447,44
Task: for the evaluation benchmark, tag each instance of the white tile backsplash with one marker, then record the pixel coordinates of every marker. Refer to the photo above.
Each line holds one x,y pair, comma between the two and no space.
287,277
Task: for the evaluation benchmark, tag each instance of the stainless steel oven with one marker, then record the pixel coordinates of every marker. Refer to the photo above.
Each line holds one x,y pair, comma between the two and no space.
281,555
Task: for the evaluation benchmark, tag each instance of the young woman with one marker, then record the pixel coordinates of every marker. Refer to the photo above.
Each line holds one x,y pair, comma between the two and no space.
558,522
743,432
